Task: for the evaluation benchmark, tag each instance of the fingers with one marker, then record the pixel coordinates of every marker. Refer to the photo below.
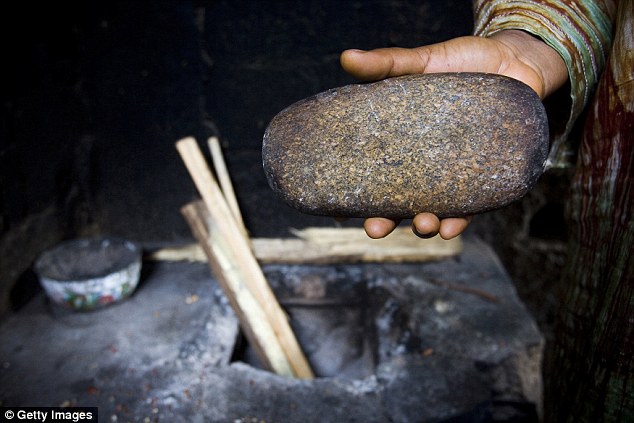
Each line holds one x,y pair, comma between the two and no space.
379,227
453,226
427,225
382,63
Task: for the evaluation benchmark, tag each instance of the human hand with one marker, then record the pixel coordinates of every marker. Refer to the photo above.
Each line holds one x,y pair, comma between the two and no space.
512,53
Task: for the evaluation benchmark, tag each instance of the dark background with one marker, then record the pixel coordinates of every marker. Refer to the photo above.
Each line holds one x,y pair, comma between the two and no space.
94,96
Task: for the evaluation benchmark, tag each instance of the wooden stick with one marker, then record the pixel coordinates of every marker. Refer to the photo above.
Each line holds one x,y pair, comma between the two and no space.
225,181
239,246
252,318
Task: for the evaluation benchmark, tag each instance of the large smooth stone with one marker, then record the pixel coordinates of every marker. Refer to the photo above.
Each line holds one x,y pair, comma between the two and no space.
453,144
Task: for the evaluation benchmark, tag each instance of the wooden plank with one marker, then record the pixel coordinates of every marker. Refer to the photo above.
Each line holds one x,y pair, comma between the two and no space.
332,246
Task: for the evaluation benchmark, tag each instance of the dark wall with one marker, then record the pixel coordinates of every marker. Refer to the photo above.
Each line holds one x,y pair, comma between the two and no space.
267,55
97,94
94,96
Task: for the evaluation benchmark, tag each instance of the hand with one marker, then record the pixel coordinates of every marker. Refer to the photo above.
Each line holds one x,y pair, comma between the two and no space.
512,53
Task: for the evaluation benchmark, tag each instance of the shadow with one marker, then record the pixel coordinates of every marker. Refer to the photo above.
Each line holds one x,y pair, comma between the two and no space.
25,289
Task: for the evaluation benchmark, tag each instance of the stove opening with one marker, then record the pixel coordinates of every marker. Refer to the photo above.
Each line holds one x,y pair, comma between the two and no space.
330,315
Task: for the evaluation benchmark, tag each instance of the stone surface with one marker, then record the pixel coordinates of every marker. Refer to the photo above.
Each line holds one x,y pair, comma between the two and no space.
425,342
451,144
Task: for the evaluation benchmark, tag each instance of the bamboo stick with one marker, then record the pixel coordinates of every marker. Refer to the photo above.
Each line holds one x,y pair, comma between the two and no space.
223,263
239,246
225,181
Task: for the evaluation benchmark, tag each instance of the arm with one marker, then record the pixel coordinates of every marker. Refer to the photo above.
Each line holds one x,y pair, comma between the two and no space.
580,31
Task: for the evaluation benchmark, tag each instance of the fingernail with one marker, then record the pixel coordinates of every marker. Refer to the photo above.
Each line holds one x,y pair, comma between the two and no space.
422,235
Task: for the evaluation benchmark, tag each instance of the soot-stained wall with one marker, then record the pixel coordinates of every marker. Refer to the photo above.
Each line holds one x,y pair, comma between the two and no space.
94,96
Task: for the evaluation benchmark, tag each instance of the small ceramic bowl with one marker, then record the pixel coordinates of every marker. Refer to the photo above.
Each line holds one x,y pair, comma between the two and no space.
89,273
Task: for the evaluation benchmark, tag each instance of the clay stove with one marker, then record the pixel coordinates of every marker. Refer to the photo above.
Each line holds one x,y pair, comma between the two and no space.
438,341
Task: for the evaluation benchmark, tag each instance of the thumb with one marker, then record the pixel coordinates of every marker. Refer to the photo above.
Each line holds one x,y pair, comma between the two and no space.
462,54
382,63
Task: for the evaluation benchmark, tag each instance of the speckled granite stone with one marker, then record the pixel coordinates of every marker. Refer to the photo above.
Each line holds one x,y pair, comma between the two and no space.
451,144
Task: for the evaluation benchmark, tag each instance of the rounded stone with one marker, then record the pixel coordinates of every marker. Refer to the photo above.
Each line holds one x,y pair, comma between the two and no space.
454,144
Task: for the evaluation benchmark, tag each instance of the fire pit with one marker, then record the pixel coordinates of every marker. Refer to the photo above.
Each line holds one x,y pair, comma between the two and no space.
388,342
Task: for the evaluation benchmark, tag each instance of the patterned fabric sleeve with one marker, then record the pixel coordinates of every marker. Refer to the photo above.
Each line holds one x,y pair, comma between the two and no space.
579,30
